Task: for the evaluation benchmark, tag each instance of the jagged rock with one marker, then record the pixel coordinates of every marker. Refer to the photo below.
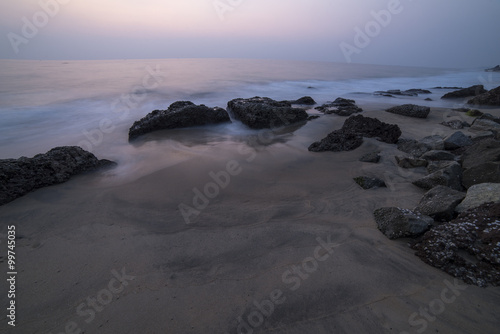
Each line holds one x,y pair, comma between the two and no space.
372,128
434,166
180,114
440,203
450,176
467,247
373,157
409,162
306,100
493,69
265,113
488,172
341,107
478,195
369,182
21,176
491,98
400,223
436,155
338,141
410,110
456,124
466,92
457,140
487,150
413,147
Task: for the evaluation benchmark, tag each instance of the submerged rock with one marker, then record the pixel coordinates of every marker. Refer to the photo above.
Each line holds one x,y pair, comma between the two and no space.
440,203
265,113
21,176
366,182
467,247
180,114
466,92
410,110
341,107
400,223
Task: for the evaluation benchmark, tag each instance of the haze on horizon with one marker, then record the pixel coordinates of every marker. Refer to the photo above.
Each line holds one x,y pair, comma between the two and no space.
433,33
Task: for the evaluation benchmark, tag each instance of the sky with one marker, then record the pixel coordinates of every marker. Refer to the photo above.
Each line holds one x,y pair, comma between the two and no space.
432,33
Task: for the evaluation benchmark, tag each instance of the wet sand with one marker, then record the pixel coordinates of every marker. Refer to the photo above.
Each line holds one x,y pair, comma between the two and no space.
289,245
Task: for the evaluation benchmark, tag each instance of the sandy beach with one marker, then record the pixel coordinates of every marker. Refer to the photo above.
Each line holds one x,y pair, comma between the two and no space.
286,244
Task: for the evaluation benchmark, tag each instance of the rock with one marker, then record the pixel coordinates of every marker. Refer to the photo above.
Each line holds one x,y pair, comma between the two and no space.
457,140
409,92
310,118
450,176
369,182
456,124
487,150
480,194
265,113
448,88
488,172
180,114
483,124
400,223
436,155
467,247
373,157
434,166
493,69
413,147
372,128
490,117
338,141
306,100
418,91
341,107
410,110
491,98
434,142
440,203
473,113
405,162
466,92
21,176
428,99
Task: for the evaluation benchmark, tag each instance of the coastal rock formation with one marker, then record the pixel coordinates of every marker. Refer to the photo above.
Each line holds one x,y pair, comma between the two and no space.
410,110
400,223
341,107
480,194
457,140
467,247
180,114
338,141
493,69
21,176
440,203
265,113
366,182
466,92
450,176
306,100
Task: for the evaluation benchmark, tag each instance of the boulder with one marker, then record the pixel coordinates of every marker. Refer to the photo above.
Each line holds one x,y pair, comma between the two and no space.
488,172
466,92
373,157
413,147
341,107
478,195
457,140
180,114
400,223
467,247
433,142
450,176
491,98
493,69
372,128
21,176
484,124
473,113
369,182
265,113
410,110
306,100
434,166
438,155
487,150
440,203
410,162
456,124
338,141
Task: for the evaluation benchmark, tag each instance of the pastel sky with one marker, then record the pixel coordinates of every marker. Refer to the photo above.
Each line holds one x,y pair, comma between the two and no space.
441,33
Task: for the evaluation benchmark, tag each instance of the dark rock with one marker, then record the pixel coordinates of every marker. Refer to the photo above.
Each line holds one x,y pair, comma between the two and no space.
456,124
448,88
436,155
428,99
341,107
440,203
21,176
410,162
310,118
487,150
493,69
484,124
400,223
369,182
478,195
338,141
180,114
409,92
457,140
473,113
265,113
488,172
434,142
467,247
418,91
450,176
372,128
490,117
370,157
410,110
466,92
306,100
413,147
491,98
434,166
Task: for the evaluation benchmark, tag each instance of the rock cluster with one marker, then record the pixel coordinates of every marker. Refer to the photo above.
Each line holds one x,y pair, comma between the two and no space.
491,98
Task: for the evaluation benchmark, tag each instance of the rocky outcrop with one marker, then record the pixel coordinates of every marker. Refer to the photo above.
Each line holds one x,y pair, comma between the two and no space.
366,182
493,69
180,114
478,195
467,247
466,92
341,107
306,101
400,223
410,110
21,176
440,203
265,113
